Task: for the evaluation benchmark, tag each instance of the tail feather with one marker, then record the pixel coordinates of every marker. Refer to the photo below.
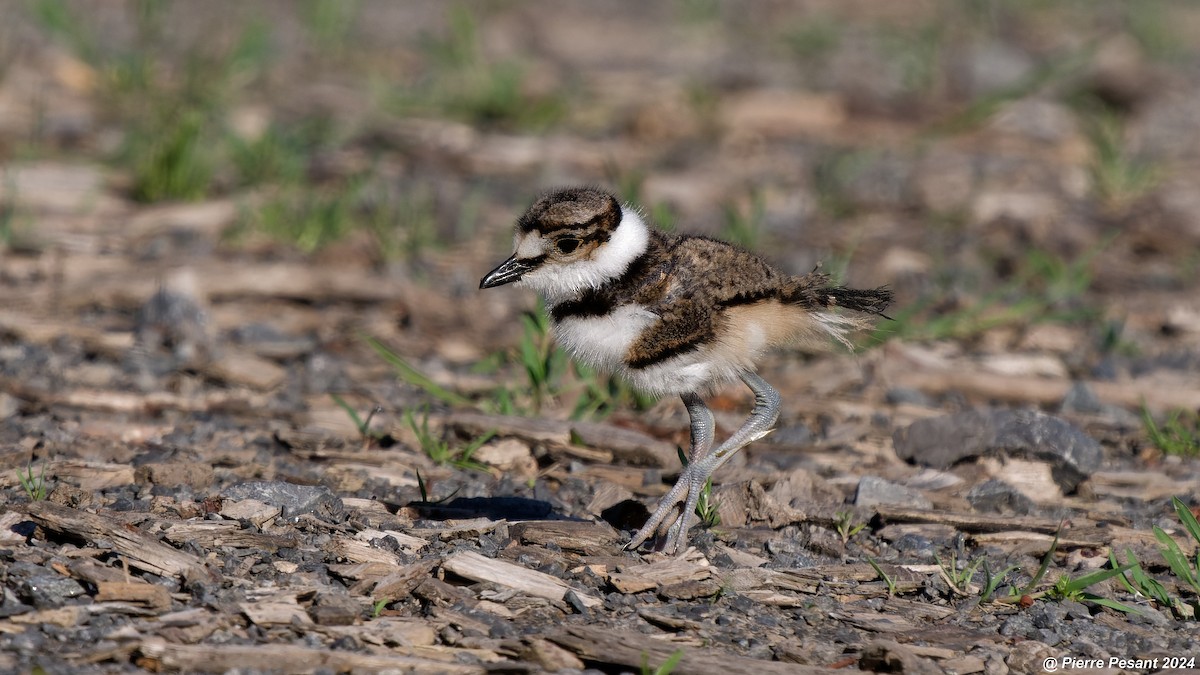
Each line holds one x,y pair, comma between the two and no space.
870,301
814,292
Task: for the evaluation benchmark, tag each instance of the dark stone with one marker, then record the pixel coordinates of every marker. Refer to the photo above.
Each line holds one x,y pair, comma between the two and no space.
915,545
1073,455
1075,610
1018,625
873,491
1047,615
908,396
330,609
996,496
940,442
294,500
1081,399
47,589
11,606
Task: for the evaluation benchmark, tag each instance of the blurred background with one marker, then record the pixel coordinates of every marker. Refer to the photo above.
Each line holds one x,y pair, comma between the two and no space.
240,248
1023,173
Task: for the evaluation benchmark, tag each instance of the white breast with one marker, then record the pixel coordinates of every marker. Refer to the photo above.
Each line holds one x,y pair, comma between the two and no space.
603,341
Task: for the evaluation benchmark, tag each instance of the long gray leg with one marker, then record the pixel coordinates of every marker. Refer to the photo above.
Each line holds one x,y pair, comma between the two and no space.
691,483
703,430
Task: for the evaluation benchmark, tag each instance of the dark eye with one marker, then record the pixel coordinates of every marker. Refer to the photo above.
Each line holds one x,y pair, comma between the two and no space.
566,246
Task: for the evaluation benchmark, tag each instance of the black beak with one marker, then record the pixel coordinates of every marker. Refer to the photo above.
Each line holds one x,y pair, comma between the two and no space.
509,271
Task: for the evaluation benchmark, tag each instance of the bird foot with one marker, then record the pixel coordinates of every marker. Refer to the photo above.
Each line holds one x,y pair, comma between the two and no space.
670,522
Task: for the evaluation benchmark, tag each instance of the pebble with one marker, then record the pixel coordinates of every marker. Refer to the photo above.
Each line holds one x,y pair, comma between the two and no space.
295,500
873,491
940,442
996,496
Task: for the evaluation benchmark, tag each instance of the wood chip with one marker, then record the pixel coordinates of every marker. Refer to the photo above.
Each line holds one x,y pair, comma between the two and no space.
598,646
358,551
280,610
358,571
471,565
569,535
157,653
64,617
456,529
550,656
391,632
408,543
244,368
150,595
968,522
258,513
691,566
1143,485
121,401
143,551
1158,391
92,475
191,474
216,533
8,520
508,454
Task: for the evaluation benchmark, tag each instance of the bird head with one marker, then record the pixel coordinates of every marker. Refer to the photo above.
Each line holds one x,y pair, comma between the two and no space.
570,240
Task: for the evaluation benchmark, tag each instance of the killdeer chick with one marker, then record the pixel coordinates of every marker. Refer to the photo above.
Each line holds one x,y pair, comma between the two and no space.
673,315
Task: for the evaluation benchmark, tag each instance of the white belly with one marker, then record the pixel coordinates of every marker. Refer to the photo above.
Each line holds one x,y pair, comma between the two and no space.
698,371
603,341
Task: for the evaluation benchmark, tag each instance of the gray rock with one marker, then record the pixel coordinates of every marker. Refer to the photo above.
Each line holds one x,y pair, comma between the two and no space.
1150,616
909,396
1073,455
10,605
1048,636
331,609
47,589
996,496
1075,610
916,546
1047,614
1081,399
940,442
1038,120
873,491
294,500
1018,626
796,435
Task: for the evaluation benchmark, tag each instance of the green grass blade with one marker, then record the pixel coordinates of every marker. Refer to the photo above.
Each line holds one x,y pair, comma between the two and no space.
1046,560
1087,580
354,417
669,665
1175,558
1109,603
1125,580
891,583
415,377
1185,516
